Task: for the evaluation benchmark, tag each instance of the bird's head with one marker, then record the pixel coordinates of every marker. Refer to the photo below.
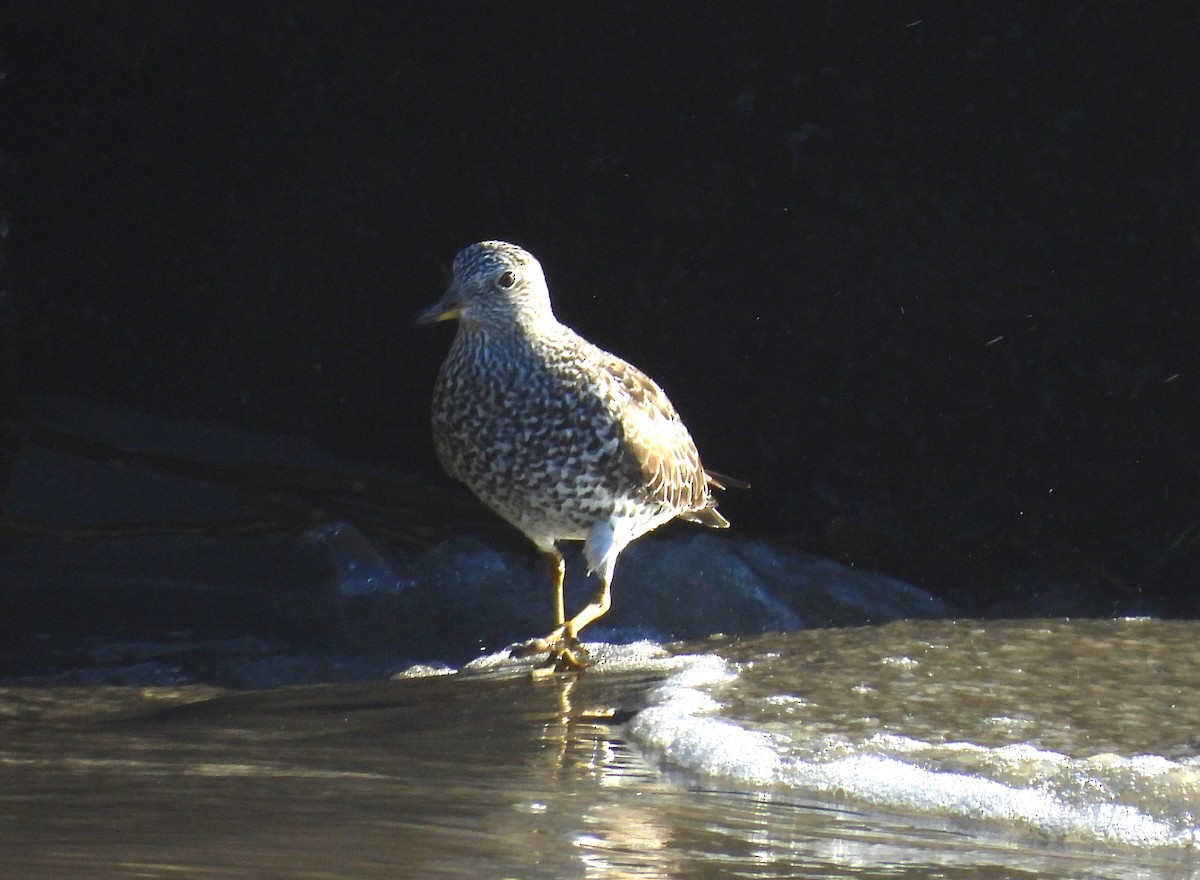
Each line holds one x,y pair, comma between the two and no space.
492,283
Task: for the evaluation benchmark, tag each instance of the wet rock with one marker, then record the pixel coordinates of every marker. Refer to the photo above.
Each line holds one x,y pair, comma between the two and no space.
822,592
466,596
138,548
690,587
358,567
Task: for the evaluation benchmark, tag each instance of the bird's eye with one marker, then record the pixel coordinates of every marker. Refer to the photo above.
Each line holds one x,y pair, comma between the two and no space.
507,279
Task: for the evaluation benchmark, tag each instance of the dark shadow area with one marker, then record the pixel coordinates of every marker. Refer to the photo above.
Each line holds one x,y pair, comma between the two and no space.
924,274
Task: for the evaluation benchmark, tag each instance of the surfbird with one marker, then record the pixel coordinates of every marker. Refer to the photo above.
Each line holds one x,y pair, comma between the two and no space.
562,439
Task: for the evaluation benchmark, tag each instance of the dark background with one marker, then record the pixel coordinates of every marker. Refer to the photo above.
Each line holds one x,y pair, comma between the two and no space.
923,273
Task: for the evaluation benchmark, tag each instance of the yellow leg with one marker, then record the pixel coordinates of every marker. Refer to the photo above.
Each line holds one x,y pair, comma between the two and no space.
566,654
562,642
598,608
558,569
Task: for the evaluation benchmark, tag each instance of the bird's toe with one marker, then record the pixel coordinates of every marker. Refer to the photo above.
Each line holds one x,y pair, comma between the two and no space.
571,657
564,652
566,657
540,646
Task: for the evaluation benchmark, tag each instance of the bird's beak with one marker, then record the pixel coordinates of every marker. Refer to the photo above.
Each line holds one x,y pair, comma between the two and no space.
449,307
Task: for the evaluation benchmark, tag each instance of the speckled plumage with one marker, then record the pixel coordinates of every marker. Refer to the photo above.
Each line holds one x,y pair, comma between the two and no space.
559,437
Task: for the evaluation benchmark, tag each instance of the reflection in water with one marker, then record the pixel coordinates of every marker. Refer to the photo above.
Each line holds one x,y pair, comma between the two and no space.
487,774
625,838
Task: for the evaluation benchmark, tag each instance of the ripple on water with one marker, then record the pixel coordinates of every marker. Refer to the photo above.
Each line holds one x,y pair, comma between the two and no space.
807,756
1070,730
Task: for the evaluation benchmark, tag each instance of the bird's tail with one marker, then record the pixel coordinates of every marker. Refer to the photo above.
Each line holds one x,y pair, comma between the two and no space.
708,514
721,481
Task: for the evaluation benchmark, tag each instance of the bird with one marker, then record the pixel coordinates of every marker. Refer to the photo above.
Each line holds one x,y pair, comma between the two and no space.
562,439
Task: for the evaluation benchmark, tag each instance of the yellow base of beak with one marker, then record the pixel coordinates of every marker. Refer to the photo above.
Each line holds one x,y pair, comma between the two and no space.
439,311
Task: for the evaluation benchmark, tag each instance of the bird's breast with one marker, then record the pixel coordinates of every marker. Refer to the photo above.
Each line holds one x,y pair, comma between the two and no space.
520,423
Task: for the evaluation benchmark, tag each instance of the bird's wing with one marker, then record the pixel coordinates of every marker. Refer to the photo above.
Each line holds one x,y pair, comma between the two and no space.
657,440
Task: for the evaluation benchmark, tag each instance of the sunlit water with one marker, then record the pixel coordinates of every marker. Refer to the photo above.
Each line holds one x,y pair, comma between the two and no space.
926,749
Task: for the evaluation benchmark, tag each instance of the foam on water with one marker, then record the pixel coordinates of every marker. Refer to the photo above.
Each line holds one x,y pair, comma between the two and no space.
680,724
1139,801
604,658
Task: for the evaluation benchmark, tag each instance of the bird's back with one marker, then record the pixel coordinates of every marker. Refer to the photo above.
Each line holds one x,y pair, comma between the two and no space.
663,457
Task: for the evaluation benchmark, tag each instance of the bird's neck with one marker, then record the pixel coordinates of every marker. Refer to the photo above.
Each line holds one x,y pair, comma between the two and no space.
511,340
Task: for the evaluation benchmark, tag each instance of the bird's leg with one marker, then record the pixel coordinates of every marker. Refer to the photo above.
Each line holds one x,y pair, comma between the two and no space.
558,569
567,654
601,549
598,608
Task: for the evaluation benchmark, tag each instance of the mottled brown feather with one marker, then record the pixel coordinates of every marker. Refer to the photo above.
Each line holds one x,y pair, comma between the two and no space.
659,445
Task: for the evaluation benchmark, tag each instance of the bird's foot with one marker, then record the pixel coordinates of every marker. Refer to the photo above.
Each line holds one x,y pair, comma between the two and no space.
565,653
566,657
538,646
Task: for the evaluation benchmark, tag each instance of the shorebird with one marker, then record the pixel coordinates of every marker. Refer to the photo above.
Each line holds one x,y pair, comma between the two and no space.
562,439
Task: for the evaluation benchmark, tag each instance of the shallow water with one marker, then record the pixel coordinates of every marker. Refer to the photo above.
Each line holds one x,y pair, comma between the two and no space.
874,752
1074,731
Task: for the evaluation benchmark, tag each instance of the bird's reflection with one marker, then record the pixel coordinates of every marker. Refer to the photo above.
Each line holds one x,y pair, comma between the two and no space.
619,838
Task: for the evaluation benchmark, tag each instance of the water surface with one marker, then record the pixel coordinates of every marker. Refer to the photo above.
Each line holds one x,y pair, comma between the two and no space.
916,749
